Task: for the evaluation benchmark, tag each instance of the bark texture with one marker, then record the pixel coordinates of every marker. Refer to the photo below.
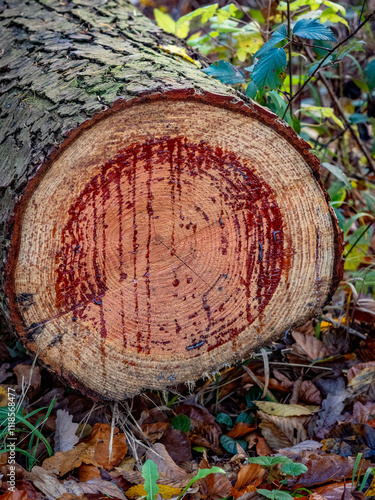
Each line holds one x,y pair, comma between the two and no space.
153,225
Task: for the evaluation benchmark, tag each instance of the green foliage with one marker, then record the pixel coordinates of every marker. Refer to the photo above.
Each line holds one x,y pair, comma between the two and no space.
181,423
269,72
293,468
225,72
246,418
150,474
230,445
223,418
313,29
275,494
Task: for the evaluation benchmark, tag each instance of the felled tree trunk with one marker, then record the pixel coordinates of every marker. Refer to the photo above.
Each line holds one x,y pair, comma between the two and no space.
154,226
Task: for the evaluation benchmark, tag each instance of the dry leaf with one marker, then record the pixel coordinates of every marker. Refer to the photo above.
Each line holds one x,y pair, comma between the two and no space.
154,431
356,369
309,393
101,438
15,495
3,397
28,374
250,474
309,346
177,445
87,472
282,410
165,463
361,413
64,461
262,448
52,488
215,487
65,435
241,429
165,491
4,374
282,432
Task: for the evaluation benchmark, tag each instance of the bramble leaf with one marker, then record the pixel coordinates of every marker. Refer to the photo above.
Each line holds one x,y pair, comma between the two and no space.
164,21
181,423
225,72
294,468
251,90
277,37
268,72
275,494
313,29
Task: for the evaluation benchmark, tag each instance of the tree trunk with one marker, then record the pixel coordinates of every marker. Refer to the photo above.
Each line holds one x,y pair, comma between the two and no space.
173,230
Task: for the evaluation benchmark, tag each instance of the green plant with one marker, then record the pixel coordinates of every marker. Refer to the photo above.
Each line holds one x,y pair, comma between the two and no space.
33,432
151,475
288,467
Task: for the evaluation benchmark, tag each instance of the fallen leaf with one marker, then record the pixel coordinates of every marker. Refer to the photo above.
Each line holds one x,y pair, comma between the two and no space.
179,51
357,369
177,445
52,488
322,469
241,429
28,375
154,431
332,408
249,477
351,439
165,464
282,432
15,495
65,435
295,451
64,461
262,447
215,487
363,383
362,413
87,472
3,397
285,410
101,438
309,346
309,393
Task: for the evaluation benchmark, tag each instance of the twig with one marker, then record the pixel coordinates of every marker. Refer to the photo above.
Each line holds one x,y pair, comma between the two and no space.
325,58
337,324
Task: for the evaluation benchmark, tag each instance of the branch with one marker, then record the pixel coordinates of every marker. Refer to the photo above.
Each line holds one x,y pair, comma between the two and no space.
325,58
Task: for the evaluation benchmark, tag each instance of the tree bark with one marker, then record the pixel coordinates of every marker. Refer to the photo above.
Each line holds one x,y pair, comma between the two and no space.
154,225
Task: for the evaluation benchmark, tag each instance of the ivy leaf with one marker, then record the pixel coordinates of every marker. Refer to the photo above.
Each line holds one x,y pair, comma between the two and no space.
230,445
225,72
277,37
246,418
268,72
294,469
151,475
313,29
370,74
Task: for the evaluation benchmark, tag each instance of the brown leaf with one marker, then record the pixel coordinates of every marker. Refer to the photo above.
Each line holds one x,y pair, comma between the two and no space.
249,474
356,369
215,486
241,429
363,384
64,461
154,431
87,472
282,432
4,374
309,393
177,445
28,374
322,469
262,448
361,413
165,464
202,425
309,346
15,495
101,438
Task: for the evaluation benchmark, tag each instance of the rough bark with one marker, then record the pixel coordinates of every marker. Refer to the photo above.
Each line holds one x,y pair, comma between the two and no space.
153,226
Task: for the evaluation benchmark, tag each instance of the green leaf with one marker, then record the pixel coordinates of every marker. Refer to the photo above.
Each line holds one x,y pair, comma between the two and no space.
268,72
277,37
151,475
181,423
294,469
331,16
313,29
356,256
202,473
337,172
223,418
164,21
337,193
225,72
370,74
226,12
253,394
340,218
230,445
206,12
251,90
245,418
182,30
269,461
275,494
353,46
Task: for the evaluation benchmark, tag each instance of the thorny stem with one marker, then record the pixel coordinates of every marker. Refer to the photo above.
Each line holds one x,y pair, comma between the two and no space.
359,237
324,59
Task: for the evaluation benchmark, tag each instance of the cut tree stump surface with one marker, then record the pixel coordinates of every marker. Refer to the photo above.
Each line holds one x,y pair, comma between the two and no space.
167,237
